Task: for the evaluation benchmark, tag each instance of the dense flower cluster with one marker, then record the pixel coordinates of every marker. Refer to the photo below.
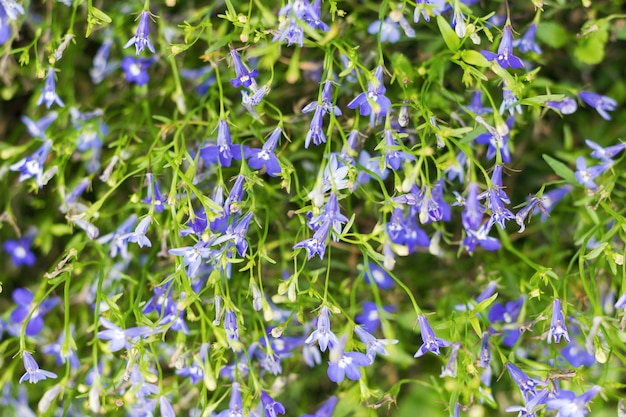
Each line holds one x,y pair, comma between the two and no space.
274,198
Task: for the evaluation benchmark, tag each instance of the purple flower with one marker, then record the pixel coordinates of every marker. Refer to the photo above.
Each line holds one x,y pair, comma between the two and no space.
577,356
62,351
527,42
431,342
388,28
154,197
476,106
529,409
166,407
100,66
322,334
33,373
20,251
266,156
141,38
570,405
550,199
223,150
271,407
557,325
509,102
526,385
120,339
325,101
373,346
374,100
428,8
136,69
370,318
230,326
602,104
566,106
347,366
32,166
394,155
508,315
49,95
497,139
24,300
604,154
375,274
242,75
38,129
485,354
326,410
316,129
235,406
585,176
5,29
192,256
505,57
139,235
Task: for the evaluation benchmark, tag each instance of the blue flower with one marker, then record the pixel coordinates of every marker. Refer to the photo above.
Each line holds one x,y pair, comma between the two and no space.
566,106
243,76
322,334
476,106
20,251
605,154
569,404
526,385
527,42
602,104
120,339
326,410
33,373
272,407
485,353
5,29
505,57
389,31
100,66
154,197
139,235
531,406
24,300
223,150
235,406
266,156
394,155
429,8
136,69
347,366
37,129
550,199
585,175
431,342
557,324
497,140
374,100
373,346
370,318
49,95
141,38
577,356
374,274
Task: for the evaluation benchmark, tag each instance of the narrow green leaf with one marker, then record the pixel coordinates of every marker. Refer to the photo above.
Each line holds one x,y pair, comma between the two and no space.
449,36
560,169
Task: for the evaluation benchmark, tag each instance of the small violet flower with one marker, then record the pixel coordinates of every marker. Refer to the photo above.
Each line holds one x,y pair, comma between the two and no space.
527,42
242,75
20,251
557,325
431,342
601,103
49,95
322,334
136,69
271,407
505,57
141,38
33,373
566,106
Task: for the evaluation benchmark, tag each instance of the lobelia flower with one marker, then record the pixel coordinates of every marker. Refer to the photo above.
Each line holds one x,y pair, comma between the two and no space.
326,410
100,66
508,314
136,69
527,42
33,373
550,199
570,405
118,244
557,324
428,8
526,385
585,176
531,406
32,166
505,57
509,102
370,318
485,354
451,367
202,77
242,75
192,256
322,334
476,106
11,8
602,104
577,356
48,94
61,354
373,101
141,38
230,326
20,251
266,156
237,234
154,197
373,346
166,407
388,29
458,23
346,364
431,342
235,406
394,155
605,154
566,106
271,407
25,304
223,150
5,29
139,235
375,274
497,139
621,301
120,339
37,129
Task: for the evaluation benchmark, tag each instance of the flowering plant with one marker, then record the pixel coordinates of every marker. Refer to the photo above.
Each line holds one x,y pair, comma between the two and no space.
312,208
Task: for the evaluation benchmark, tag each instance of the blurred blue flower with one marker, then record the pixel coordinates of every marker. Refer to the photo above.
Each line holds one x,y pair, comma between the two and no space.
49,94
20,251
33,373
136,69
601,103
527,42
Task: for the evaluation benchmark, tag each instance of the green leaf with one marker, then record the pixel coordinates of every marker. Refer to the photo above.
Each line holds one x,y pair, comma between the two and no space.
474,58
449,36
590,49
552,34
100,15
560,169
